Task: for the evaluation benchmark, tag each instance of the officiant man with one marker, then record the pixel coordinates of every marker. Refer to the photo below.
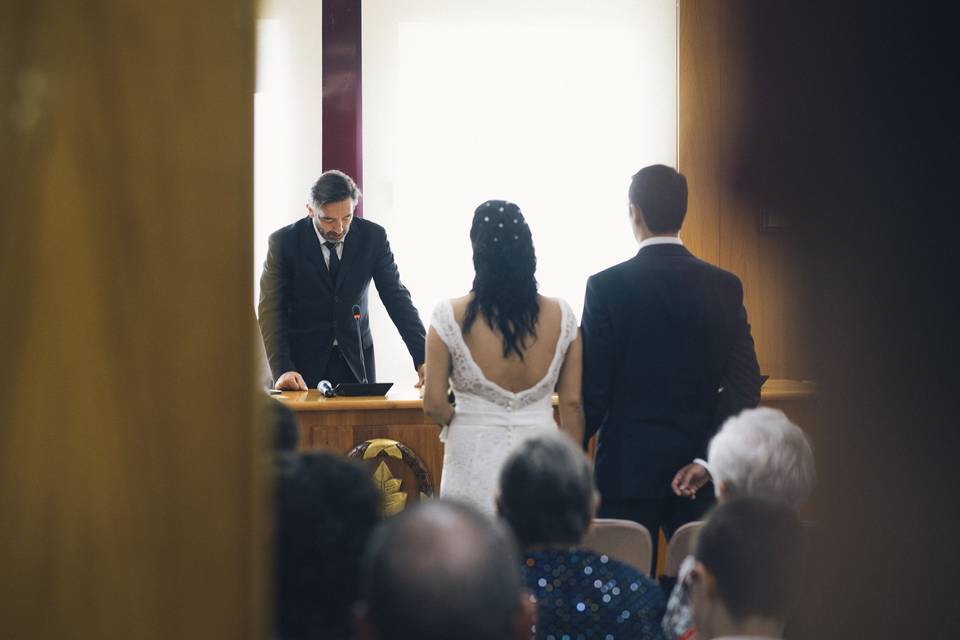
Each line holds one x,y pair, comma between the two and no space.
316,270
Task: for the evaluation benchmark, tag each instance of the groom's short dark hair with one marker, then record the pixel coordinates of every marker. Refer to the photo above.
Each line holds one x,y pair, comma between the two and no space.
660,192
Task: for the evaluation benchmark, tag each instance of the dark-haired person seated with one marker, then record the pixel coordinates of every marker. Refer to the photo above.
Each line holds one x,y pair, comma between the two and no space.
747,573
442,570
326,508
282,424
548,497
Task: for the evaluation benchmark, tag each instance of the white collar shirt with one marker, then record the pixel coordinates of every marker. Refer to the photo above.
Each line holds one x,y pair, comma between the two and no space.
323,246
649,242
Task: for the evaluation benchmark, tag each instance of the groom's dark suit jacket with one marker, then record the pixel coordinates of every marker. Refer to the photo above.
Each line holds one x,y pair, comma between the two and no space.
663,332
302,309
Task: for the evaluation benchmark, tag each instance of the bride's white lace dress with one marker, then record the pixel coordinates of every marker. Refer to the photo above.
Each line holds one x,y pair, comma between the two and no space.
490,421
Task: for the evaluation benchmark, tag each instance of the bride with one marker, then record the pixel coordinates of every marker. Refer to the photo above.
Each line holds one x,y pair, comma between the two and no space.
504,349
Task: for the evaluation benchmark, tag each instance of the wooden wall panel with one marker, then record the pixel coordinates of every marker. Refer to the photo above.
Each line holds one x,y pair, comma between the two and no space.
700,124
718,106
131,504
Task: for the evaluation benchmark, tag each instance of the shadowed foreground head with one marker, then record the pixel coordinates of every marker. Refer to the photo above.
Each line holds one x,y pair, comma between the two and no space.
442,570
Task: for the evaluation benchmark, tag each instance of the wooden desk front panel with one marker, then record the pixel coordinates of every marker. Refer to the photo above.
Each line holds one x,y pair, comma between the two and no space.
340,430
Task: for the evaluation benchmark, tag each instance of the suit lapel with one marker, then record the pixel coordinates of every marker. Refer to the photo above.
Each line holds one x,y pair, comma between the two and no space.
351,245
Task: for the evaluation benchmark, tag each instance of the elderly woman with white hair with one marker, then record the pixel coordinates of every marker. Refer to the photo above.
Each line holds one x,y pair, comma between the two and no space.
758,454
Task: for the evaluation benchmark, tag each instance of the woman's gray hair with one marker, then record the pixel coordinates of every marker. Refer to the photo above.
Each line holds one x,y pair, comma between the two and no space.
547,491
760,453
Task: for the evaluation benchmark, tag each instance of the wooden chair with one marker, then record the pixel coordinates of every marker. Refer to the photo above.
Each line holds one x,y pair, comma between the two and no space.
679,547
624,540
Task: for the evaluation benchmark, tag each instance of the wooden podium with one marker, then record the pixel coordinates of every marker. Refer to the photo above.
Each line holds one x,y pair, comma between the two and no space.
341,424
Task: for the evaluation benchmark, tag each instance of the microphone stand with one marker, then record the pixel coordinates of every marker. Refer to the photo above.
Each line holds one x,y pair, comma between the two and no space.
363,365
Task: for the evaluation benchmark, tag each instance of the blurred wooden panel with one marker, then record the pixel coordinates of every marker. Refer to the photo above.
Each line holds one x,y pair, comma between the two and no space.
719,103
130,506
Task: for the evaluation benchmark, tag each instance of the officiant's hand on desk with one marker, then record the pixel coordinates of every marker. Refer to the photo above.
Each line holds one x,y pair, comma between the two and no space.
291,381
421,372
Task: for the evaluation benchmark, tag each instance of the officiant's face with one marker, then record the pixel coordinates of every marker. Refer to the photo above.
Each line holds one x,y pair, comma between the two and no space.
332,219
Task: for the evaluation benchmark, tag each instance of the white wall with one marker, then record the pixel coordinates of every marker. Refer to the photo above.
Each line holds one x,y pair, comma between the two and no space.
287,129
551,104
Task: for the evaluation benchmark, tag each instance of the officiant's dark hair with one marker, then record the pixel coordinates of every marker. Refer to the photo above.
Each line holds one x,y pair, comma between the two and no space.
660,192
504,286
333,186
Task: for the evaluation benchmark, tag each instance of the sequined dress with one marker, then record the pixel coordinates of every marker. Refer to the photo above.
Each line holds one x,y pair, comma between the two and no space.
490,421
584,595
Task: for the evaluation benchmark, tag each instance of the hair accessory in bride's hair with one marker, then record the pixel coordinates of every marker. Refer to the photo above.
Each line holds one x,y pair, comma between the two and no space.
504,284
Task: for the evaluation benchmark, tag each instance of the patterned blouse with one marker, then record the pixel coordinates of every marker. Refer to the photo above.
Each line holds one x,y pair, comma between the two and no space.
582,595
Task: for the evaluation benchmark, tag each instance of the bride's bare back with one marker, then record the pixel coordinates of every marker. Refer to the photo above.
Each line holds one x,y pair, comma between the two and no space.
486,346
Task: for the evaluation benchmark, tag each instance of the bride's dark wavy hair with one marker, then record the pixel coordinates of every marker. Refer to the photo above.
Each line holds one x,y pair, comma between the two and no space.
504,287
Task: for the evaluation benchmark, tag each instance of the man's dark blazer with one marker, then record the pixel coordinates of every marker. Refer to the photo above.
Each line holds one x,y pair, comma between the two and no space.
662,333
302,309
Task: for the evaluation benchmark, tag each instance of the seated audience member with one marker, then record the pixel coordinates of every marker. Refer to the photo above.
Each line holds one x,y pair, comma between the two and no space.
442,570
758,453
548,497
327,506
283,425
746,574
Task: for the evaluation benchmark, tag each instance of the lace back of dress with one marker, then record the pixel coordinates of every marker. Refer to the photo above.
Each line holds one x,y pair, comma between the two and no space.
467,377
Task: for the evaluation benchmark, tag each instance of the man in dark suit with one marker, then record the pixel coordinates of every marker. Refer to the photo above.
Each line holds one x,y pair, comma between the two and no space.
667,355
316,270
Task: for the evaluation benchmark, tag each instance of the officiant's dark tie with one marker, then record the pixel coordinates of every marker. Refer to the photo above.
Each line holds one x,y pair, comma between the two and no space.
334,258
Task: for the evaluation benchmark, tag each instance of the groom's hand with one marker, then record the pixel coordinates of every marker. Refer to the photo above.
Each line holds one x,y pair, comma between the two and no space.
689,480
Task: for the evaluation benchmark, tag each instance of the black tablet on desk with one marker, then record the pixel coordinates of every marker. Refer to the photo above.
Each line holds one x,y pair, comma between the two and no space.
361,389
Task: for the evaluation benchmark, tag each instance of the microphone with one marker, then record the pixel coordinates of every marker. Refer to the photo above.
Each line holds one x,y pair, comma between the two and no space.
363,365
326,389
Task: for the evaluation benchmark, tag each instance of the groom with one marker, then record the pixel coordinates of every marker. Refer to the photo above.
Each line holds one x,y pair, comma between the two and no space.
667,356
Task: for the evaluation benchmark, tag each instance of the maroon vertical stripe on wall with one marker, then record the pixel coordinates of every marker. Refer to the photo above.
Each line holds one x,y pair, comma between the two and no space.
342,90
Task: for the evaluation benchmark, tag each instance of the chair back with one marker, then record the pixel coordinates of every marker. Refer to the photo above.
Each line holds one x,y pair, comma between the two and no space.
679,547
624,540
